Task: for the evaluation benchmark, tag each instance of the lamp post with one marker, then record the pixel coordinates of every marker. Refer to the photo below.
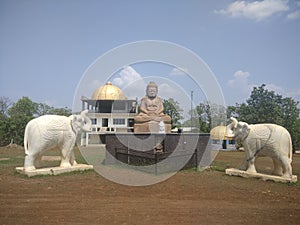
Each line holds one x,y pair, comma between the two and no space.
192,92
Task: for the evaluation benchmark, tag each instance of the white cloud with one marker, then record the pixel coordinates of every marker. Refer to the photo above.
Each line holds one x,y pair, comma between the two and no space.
131,82
134,85
127,76
178,71
257,10
241,74
240,81
167,90
294,15
241,87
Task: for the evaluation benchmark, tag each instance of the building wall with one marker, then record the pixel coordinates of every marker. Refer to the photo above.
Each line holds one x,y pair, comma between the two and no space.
108,116
111,120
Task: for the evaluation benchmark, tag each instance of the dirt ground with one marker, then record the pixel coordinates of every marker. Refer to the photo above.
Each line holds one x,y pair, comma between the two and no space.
189,197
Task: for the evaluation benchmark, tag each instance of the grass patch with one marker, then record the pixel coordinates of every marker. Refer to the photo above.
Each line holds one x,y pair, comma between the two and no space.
189,170
297,184
12,161
220,166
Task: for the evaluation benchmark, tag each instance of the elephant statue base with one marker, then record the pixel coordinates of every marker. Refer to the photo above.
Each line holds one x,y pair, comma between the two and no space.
53,170
264,177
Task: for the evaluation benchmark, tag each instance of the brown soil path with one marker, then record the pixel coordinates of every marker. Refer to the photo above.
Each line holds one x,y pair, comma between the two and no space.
189,197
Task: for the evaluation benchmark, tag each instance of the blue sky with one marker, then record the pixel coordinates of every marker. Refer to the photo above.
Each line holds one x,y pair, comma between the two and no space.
46,46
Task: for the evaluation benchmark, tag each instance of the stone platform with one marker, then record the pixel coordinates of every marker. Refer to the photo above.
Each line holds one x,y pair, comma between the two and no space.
53,170
147,150
265,177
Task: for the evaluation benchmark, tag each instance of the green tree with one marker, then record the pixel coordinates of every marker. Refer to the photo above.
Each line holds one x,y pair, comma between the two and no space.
208,115
5,103
4,130
204,116
19,115
61,111
44,109
14,117
172,108
23,107
266,106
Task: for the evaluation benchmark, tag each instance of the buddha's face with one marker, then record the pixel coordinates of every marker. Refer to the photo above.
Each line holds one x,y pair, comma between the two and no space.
151,92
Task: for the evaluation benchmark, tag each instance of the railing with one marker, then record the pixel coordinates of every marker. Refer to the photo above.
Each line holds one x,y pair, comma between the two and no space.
153,158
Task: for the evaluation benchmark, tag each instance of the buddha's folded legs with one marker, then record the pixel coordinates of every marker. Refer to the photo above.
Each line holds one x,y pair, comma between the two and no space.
143,118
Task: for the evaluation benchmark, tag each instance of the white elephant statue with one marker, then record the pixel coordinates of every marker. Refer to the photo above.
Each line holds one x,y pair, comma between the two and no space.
263,140
50,131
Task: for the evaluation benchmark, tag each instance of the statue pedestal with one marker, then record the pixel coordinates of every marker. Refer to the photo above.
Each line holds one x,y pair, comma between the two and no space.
150,127
265,177
156,153
54,170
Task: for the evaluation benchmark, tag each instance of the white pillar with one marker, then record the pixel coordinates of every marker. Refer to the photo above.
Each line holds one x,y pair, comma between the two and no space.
87,139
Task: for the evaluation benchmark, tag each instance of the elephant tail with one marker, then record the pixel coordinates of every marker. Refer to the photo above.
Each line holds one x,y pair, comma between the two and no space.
291,149
26,140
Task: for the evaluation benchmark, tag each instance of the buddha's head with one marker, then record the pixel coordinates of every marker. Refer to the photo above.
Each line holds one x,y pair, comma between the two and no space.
152,90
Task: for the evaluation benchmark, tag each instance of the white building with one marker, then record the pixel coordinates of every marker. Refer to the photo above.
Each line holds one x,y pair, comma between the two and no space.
109,111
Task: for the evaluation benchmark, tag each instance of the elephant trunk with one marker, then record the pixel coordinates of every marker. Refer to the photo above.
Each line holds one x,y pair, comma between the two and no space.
230,128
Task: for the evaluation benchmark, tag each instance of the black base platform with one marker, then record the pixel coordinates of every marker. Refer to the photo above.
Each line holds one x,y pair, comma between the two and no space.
156,152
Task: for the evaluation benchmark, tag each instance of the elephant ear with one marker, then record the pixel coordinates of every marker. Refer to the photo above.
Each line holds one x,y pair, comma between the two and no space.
245,129
75,123
74,119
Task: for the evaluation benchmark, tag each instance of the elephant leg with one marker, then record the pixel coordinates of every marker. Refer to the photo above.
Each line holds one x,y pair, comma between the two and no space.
244,166
277,167
66,151
29,162
286,166
72,159
251,166
65,159
248,164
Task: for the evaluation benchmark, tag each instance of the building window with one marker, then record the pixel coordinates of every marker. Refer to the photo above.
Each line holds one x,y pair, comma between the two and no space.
94,121
232,142
105,122
119,106
130,122
119,121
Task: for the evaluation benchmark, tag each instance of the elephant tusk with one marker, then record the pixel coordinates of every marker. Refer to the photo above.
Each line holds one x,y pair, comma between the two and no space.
229,132
234,121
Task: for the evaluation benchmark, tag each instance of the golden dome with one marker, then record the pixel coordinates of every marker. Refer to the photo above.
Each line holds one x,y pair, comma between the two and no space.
219,133
108,92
